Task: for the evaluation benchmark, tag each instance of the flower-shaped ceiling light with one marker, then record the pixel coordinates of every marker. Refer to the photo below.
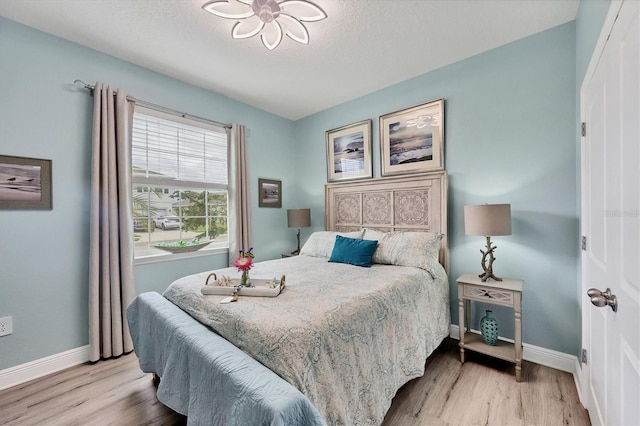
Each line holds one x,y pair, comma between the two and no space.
269,18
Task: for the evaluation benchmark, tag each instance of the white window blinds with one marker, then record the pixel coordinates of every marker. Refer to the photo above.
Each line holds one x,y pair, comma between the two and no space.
170,151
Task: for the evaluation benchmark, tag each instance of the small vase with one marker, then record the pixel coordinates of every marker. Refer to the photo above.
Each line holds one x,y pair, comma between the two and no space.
245,281
489,328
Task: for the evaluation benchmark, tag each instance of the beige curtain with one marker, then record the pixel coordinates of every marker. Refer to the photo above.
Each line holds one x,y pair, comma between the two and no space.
111,285
239,207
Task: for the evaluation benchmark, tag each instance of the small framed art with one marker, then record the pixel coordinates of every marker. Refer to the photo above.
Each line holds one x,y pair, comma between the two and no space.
349,152
412,140
25,183
270,193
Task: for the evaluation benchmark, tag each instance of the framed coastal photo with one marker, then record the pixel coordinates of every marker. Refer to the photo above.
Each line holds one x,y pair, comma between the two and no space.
412,140
25,183
349,152
270,193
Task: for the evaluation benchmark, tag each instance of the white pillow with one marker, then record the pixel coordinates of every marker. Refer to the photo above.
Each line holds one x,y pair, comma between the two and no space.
320,243
405,248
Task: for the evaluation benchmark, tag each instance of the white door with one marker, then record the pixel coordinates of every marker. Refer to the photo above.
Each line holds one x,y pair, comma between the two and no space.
610,220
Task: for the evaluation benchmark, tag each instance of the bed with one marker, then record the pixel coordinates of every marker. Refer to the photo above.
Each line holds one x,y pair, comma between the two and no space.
339,341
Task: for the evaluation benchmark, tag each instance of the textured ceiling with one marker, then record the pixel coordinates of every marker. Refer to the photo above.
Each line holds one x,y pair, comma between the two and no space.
363,45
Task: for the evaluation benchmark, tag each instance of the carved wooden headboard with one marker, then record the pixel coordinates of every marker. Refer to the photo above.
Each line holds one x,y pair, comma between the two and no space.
400,203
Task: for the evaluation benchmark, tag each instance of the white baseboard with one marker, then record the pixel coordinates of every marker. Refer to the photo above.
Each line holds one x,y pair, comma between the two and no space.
577,377
41,367
547,357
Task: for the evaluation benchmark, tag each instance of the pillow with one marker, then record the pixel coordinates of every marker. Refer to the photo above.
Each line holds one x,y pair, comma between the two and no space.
320,243
353,251
405,248
372,234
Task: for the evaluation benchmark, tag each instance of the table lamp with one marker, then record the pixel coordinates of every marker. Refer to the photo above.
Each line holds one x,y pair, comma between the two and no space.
298,218
488,220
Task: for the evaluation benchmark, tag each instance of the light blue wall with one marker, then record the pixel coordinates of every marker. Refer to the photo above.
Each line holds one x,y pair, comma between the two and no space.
43,254
511,121
509,138
591,14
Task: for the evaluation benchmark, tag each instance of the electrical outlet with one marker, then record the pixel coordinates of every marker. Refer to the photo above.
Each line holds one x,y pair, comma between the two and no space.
6,326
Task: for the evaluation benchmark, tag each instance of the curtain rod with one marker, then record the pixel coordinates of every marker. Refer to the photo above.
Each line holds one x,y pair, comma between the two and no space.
81,84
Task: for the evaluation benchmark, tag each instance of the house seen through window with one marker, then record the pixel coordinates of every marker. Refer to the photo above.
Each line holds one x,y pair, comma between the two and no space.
180,183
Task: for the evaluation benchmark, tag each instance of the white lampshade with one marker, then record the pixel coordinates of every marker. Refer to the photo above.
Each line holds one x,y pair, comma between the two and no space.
299,218
487,219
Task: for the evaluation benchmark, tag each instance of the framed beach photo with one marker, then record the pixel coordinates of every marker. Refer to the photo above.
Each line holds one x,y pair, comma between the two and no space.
349,152
25,183
412,140
270,193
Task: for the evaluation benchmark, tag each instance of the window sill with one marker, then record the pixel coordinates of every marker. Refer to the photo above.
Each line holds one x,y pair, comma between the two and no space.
169,257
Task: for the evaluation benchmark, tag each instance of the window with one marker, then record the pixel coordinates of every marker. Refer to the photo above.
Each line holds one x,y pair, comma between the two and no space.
180,184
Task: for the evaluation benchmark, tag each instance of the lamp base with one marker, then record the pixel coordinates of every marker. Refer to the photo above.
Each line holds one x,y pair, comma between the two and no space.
488,269
297,250
489,275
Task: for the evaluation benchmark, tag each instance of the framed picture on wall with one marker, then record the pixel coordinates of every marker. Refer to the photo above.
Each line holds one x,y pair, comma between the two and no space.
412,140
25,183
270,193
349,152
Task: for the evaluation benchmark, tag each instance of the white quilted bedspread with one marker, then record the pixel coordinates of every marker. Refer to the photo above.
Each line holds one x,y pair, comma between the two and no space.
347,337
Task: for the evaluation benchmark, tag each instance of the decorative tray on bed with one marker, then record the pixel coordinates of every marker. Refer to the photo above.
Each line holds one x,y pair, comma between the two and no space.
231,286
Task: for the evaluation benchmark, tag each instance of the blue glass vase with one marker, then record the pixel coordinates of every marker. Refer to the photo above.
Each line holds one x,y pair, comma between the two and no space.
489,328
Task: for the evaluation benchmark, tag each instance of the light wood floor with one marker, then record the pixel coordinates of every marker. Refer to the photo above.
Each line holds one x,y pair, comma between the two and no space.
483,391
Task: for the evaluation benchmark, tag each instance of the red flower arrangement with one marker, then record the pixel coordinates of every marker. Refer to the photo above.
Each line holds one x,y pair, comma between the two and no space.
243,264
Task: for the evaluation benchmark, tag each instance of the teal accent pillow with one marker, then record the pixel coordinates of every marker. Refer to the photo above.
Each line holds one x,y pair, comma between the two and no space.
353,251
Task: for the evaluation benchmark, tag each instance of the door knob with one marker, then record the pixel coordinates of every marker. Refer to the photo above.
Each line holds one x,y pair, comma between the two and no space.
594,292
600,299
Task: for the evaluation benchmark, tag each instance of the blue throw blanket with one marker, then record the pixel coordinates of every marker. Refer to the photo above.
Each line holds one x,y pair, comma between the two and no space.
205,377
